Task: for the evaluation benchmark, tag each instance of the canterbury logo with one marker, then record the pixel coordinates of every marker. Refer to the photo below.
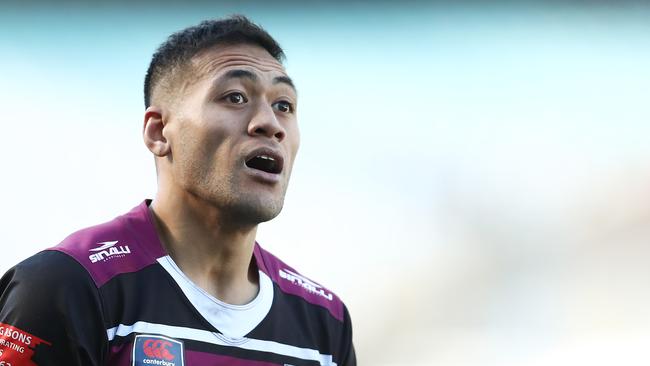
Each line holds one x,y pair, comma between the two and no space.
156,348
305,283
108,250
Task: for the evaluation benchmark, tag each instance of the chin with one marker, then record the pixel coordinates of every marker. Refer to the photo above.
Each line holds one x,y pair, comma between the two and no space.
256,212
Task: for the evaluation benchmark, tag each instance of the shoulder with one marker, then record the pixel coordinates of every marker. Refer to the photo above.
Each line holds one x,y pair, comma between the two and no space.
291,282
323,312
125,244
54,312
44,272
46,284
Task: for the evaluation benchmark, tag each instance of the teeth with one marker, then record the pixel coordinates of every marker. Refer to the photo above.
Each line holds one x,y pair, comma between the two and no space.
265,157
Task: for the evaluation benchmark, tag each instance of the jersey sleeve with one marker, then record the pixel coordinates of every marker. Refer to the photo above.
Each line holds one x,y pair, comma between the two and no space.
348,356
51,314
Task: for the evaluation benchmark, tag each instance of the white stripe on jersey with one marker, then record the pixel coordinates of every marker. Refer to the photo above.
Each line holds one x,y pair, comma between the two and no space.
218,339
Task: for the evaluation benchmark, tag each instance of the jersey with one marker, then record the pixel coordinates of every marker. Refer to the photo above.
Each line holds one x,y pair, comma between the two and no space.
110,295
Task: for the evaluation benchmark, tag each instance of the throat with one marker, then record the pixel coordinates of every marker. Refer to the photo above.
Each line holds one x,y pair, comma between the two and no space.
231,281
234,292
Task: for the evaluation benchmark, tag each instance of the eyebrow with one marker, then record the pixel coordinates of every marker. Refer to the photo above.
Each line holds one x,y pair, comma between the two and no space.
239,74
245,74
284,80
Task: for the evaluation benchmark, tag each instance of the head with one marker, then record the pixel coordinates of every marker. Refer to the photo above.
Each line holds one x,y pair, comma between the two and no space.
220,119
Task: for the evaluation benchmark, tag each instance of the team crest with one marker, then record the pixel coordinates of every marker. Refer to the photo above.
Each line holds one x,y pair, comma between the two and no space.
157,350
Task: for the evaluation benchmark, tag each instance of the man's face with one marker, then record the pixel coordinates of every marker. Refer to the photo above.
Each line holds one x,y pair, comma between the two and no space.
233,132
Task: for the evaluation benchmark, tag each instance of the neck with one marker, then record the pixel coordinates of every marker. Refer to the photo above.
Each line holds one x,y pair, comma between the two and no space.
215,253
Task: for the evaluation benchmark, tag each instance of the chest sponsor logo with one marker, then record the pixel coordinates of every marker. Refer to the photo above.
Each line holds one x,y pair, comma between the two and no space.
17,346
305,283
108,250
157,350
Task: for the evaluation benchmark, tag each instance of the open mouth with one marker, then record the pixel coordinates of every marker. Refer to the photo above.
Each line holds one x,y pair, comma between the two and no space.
265,160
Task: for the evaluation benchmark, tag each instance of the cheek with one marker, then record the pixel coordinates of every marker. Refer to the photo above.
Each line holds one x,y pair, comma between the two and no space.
199,137
191,149
216,148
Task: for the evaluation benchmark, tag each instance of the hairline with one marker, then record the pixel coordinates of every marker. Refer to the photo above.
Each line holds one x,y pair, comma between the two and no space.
182,75
174,55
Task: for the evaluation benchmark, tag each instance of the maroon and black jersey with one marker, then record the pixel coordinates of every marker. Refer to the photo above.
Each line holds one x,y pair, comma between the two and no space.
110,295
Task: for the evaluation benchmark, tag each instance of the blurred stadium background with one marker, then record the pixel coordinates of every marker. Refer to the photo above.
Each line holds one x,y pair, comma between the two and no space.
474,177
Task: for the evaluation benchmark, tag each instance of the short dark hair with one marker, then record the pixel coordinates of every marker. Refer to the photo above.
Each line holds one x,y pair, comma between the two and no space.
181,46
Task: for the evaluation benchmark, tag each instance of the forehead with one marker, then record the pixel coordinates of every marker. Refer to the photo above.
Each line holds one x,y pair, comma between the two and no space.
219,59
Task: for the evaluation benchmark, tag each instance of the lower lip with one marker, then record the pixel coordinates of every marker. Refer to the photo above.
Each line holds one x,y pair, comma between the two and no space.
263,176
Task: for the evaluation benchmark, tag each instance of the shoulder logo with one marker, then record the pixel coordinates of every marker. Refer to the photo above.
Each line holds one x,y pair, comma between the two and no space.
108,250
157,350
305,283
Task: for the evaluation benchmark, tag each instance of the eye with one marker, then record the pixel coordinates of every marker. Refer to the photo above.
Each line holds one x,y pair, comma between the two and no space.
283,106
236,98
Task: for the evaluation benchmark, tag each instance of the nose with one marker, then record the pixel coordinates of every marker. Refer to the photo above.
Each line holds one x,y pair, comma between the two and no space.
265,123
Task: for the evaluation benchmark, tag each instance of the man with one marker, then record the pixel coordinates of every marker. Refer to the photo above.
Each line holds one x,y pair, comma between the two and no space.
180,280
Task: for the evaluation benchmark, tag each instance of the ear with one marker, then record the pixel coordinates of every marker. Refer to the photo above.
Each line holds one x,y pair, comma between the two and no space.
152,131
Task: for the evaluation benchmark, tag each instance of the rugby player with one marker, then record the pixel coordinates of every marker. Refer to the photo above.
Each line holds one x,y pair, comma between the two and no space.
180,279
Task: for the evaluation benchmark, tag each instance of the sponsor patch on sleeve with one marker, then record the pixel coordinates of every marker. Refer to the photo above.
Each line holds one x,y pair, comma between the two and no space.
17,346
157,350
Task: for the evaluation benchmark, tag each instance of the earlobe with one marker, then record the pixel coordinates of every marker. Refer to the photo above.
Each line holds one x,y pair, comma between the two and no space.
152,131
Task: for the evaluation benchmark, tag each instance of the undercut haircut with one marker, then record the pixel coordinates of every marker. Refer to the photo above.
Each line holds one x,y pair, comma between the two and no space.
177,51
